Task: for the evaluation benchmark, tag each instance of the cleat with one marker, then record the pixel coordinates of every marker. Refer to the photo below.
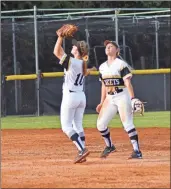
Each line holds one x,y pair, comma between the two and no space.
83,160
82,156
136,155
107,151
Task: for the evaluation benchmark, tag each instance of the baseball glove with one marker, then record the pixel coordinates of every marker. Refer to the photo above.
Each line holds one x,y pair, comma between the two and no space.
137,106
67,30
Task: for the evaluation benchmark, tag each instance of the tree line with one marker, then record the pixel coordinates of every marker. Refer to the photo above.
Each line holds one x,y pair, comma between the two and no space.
15,5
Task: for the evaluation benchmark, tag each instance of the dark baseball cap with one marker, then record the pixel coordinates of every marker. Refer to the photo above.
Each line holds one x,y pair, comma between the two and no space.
82,47
112,42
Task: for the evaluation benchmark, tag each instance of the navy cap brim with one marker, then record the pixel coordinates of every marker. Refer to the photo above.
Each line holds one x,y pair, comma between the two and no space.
106,42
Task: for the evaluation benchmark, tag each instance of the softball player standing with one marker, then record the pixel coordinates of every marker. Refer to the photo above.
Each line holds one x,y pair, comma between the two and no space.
116,95
73,100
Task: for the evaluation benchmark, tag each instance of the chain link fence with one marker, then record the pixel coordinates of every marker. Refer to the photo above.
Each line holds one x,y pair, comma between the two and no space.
144,43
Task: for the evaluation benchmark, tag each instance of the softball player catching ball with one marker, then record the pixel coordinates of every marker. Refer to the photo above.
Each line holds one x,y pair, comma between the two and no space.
116,95
73,100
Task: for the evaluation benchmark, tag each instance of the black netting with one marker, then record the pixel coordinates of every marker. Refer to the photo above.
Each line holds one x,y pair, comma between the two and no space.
6,48
25,47
140,41
139,47
139,51
20,97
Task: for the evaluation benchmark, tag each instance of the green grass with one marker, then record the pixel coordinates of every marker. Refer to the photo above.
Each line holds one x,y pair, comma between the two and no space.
150,119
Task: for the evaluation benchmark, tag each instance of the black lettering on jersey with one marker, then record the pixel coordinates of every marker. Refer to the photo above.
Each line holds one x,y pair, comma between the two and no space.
65,63
125,71
79,80
113,82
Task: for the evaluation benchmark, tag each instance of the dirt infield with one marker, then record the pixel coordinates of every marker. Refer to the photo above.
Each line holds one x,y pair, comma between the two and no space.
44,159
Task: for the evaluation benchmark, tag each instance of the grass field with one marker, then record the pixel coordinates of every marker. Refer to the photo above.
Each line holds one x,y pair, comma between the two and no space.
150,119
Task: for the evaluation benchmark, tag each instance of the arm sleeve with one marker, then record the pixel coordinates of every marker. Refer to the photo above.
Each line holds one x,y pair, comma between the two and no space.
125,72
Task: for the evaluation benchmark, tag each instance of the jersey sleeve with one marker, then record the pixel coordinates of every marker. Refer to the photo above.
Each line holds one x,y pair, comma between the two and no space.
100,75
125,71
65,61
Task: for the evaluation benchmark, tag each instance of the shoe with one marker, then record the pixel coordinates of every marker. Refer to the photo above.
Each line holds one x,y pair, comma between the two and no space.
136,155
83,160
107,151
81,156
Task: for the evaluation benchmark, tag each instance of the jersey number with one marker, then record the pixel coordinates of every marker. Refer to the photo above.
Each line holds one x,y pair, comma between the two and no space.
79,79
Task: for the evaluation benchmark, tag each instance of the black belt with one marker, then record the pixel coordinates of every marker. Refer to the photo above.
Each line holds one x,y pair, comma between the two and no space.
73,91
115,92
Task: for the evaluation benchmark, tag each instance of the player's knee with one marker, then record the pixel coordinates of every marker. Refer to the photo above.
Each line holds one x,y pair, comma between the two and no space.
78,128
100,125
68,131
65,126
128,126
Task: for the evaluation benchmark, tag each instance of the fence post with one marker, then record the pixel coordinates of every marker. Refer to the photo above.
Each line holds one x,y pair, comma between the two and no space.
116,26
124,45
36,61
165,93
0,91
87,34
3,107
157,43
15,63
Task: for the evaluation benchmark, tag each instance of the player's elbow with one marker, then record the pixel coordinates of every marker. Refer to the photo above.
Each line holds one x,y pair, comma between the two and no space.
55,53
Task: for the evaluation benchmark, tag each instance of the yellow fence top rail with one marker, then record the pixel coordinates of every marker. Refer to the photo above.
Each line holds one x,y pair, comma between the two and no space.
60,74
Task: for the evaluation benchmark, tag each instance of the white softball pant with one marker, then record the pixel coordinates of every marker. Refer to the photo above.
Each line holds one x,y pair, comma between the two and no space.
120,102
72,111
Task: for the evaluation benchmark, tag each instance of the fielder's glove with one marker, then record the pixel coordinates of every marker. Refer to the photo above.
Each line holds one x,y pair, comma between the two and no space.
137,106
67,30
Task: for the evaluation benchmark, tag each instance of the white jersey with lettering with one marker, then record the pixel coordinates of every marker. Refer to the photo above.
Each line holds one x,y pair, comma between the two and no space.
73,100
117,96
113,75
73,78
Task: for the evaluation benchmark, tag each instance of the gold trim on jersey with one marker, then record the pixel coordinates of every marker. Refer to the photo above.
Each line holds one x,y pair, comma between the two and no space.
63,59
69,63
110,76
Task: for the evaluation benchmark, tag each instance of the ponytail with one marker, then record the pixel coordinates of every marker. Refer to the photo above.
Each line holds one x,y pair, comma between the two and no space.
84,68
85,59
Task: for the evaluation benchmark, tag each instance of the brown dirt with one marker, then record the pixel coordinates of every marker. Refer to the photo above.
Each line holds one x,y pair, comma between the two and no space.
44,159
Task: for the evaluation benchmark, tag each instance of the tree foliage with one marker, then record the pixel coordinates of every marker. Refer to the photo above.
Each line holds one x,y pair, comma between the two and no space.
11,5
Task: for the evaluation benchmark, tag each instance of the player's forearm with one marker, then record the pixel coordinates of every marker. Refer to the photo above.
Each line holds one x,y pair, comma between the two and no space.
130,89
58,47
103,93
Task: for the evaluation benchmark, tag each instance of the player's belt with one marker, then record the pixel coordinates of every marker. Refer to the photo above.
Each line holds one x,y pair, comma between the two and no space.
73,91
115,92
